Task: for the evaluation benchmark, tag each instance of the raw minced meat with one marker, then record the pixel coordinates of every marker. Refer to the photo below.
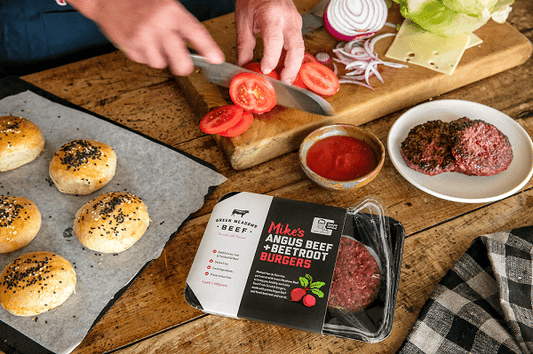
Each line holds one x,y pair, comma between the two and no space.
356,277
479,148
472,147
427,148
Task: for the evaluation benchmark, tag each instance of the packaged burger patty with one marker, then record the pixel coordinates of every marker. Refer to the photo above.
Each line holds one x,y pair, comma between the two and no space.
313,267
356,277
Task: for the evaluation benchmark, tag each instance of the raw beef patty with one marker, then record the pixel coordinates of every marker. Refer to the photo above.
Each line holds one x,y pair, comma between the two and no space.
479,148
427,148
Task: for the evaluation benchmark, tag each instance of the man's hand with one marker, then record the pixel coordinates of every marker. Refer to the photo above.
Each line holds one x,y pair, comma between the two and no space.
280,26
153,32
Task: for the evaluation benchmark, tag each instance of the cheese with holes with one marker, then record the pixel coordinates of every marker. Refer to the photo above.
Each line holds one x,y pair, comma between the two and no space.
474,40
414,45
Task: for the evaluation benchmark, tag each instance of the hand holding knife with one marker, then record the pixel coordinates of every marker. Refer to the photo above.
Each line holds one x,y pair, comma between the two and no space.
287,95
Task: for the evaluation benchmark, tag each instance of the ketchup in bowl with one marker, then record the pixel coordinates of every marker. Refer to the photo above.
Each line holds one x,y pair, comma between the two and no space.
341,158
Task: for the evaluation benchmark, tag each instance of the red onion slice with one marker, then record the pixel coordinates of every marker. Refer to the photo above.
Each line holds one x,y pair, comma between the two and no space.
373,41
355,82
361,61
323,57
348,19
359,57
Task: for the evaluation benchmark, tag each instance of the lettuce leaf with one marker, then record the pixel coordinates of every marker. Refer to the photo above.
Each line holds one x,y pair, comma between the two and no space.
449,18
469,7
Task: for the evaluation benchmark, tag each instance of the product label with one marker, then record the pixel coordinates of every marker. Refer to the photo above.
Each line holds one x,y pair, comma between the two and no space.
279,270
223,260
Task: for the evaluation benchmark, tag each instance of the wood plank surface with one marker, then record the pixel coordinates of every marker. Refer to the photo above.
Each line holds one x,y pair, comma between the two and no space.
422,269
158,292
279,131
153,316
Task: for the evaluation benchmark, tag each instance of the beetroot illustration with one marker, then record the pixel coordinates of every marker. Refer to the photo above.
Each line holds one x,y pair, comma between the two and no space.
309,300
308,286
297,294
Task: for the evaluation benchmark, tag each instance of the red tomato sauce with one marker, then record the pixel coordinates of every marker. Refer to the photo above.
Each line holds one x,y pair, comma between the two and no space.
341,158
356,277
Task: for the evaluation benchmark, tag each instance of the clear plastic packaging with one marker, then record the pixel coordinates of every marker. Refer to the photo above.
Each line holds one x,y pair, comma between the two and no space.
275,260
383,237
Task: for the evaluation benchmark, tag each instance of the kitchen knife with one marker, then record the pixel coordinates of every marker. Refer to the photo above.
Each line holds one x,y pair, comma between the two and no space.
313,18
287,95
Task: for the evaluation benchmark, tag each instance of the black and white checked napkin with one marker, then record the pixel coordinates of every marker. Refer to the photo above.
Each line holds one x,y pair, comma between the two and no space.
484,304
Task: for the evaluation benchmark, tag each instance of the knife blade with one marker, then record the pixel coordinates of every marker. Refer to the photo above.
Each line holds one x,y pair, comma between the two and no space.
313,19
287,95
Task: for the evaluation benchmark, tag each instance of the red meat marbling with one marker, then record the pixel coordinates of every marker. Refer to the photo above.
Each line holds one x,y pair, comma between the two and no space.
356,277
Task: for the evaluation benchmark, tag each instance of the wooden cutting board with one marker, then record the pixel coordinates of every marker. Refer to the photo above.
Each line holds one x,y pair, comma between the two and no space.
281,130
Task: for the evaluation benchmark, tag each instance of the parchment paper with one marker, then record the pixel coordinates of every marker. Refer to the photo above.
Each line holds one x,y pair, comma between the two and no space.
172,185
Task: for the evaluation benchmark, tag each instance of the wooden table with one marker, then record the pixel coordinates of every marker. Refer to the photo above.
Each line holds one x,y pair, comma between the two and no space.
153,317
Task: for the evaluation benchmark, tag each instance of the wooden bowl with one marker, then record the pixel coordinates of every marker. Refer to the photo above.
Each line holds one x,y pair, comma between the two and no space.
342,130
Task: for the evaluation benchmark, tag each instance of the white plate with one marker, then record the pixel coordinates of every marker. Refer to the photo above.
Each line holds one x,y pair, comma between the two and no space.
455,186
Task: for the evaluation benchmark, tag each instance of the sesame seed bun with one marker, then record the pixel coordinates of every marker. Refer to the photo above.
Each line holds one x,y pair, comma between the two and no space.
20,221
35,283
83,166
112,222
21,141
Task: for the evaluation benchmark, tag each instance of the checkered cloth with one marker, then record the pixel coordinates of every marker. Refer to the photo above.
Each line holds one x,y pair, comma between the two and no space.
484,304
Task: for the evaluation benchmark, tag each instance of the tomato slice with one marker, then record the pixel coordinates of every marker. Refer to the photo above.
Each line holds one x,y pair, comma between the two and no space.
221,119
254,66
319,78
308,57
299,82
281,64
240,127
252,92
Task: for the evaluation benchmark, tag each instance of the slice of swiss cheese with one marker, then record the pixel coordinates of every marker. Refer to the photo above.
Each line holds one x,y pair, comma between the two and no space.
414,45
474,40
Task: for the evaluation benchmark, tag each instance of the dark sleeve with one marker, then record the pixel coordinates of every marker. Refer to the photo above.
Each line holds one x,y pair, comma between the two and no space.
40,33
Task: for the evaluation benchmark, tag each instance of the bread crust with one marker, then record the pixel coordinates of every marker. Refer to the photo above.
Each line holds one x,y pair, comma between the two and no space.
35,283
21,141
83,166
112,222
20,221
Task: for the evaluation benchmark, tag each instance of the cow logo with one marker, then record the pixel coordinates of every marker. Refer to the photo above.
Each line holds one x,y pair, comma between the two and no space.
323,226
240,212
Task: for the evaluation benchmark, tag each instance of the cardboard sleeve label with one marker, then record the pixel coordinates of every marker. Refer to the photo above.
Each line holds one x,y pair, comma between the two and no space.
268,259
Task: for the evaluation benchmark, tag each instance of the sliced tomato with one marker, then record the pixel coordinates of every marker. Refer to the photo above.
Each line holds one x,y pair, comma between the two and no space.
308,57
252,92
221,119
281,64
240,127
254,66
319,78
299,82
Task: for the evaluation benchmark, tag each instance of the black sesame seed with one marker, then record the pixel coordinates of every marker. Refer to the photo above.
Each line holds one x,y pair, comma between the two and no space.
79,152
10,210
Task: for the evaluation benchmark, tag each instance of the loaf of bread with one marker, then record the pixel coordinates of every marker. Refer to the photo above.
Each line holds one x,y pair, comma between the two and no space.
112,222
35,283
21,141
20,221
82,166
